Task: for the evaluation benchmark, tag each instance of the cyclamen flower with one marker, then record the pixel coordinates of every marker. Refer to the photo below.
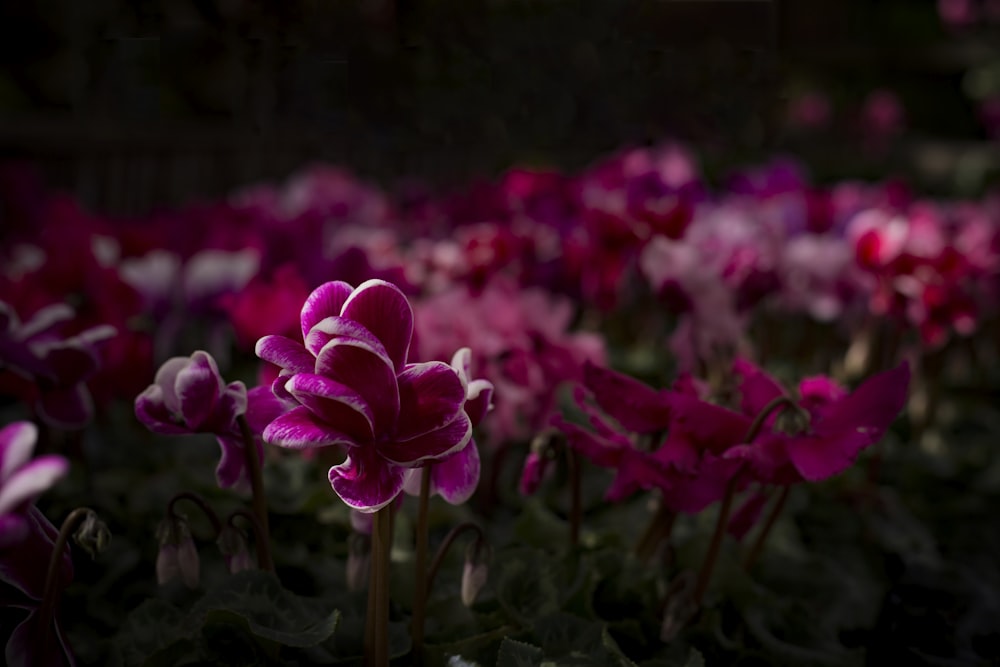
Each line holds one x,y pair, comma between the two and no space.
27,539
57,366
353,387
189,396
455,477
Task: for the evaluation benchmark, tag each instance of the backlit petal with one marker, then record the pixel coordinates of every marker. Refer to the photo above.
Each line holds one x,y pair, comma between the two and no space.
17,441
382,308
433,445
299,428
430,396
325,301
334,403
366,482
284,352
354,364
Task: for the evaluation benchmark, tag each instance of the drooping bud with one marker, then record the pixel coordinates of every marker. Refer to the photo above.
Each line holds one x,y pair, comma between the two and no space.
359,547
476,571
93,535
537,463
178,556
232,543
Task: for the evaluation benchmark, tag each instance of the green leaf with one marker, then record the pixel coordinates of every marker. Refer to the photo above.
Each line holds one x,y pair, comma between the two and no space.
518,654
152,634
270,611
526,586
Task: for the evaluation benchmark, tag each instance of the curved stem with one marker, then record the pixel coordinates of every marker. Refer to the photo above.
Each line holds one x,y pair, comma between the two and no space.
259,499
758,422
446,545
45,610
758,543
201,503
705,574
420,568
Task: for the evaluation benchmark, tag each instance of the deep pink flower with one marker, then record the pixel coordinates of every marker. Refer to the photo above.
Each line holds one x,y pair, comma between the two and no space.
22,480
353,387
456,476
189,396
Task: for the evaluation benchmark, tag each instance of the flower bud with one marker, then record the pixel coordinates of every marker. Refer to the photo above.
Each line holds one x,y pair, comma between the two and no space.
93,535
178,556
359,548
232,543
476,571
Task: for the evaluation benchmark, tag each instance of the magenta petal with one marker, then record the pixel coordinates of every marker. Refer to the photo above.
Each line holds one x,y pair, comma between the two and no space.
430,396
635,472
285,353
336,327
461,361
28,481
869,410
599,451
299,428
382,308
13,529
455,477
263,407
45,319
366,482
478,400
636,406
24,650
19,567
678,454
325,301
232,470
708,425
69,362
747,514
354,364
198,387
17,441
336,404
66,407
818,458
151,410
757,387
429,446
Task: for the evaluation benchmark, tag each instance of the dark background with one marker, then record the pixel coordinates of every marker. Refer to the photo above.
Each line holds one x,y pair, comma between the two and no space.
137,105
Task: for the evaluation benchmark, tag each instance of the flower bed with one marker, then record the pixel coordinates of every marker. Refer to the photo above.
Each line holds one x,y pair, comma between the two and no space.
615,417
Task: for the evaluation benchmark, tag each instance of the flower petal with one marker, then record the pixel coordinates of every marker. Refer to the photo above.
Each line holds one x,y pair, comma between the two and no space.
31,479
66,407
429,446
151,410
818,458
335,403
869,410
456,477
284,352
198,388
19,567
382,308
17,441
357,365
636,406
478,400
461,361
333,327
430,396
263,407
232,469
45,319
166,378
365,481
325,301
757,388
299,428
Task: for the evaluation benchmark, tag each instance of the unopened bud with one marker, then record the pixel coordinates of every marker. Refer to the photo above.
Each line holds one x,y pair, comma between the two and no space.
476,571
178,556
232,543
359,547
93,535
537,462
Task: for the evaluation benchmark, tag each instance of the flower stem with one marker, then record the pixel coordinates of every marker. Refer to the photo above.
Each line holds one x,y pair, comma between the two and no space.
377,637
658,529
259,499
576,503
758,544
705,574
420,568
449,539
202,504
49,594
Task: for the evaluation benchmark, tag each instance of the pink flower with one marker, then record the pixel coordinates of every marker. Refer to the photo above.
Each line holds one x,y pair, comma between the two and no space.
189,396
353,387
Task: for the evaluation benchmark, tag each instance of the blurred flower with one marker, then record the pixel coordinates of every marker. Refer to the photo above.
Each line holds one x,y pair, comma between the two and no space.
189,396
22,480
355,388
232,543
810,111
178,555
56,367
